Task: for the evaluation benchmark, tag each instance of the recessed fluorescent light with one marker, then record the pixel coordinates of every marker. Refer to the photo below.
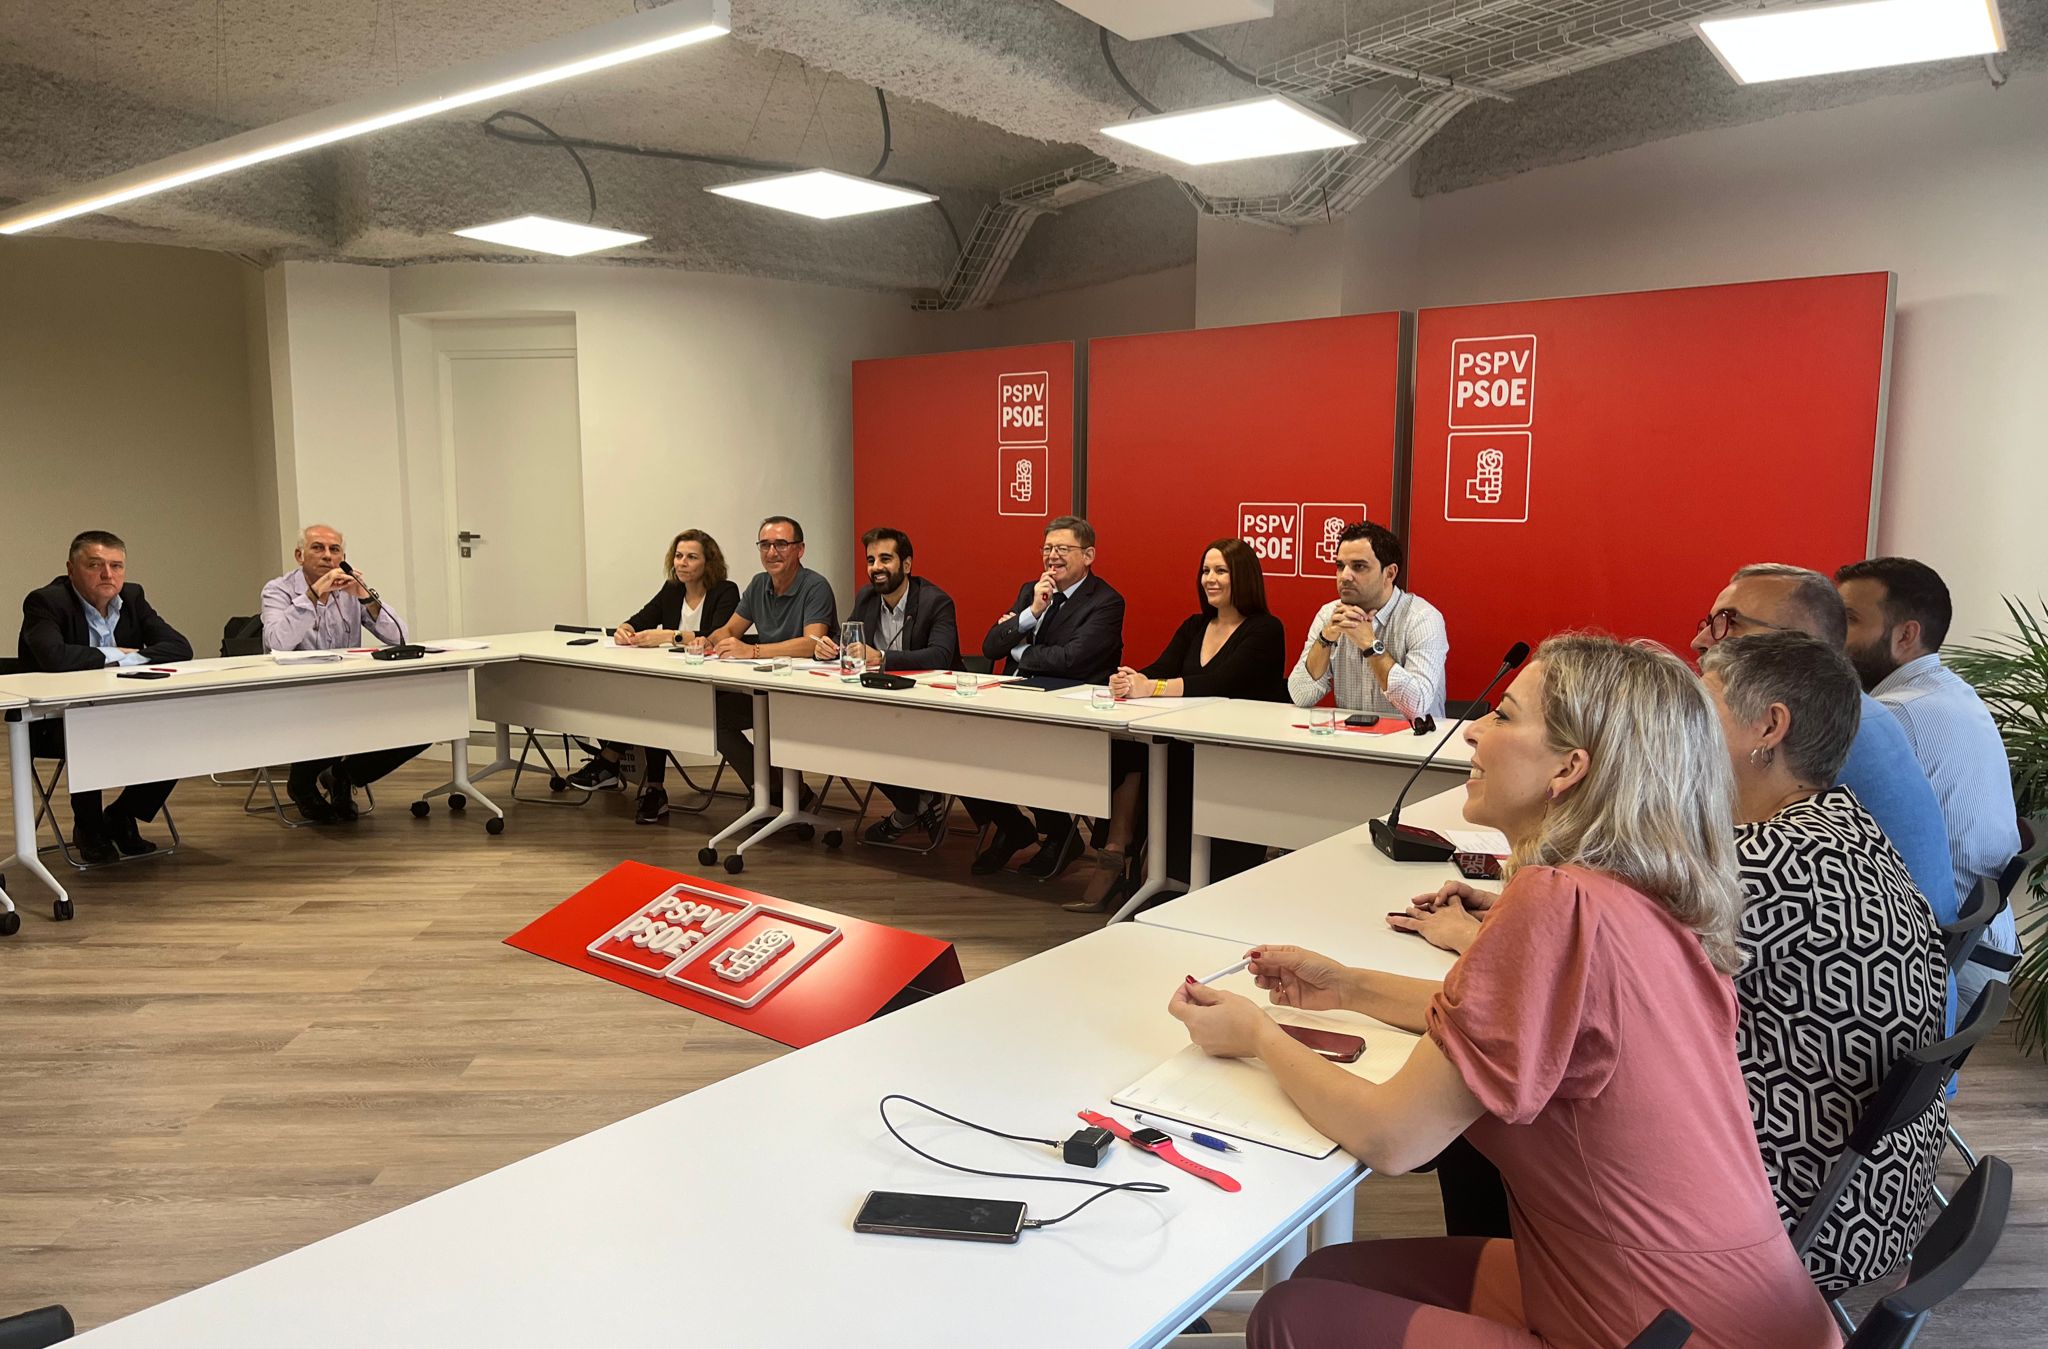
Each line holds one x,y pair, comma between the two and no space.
1250,128
822,193
1827,39
645,34
543,234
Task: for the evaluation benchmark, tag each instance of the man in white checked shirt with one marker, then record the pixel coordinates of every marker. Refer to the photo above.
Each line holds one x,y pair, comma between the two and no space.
1383,648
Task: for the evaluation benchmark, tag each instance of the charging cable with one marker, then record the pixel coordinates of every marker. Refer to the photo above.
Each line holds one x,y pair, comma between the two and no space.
1107,1188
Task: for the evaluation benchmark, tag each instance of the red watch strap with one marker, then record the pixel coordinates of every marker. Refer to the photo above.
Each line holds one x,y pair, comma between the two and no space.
1166,1151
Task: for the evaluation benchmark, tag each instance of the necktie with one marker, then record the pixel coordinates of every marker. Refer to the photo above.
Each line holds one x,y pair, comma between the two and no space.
1059,597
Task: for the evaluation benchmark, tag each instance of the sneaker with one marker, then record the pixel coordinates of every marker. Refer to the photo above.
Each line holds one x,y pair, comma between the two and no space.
340,793
312,806
931,821
888,830
653,808
596,775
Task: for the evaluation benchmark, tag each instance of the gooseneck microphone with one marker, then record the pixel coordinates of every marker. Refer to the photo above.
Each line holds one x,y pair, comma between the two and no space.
1407,842
402,649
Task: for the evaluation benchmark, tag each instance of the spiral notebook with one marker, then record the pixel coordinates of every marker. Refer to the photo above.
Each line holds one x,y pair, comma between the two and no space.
1242,1100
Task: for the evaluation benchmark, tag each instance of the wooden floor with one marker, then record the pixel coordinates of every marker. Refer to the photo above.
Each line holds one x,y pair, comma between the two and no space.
281,1033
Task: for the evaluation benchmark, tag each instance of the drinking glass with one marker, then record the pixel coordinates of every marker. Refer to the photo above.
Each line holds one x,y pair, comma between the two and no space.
779,666
967,684
1322,720
851,636
1100,698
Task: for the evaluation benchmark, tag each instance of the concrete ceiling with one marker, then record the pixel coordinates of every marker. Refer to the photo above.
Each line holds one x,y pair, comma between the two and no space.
983,94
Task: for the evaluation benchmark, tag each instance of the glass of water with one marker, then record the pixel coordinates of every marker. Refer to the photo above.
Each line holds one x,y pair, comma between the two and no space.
967,684
1322,720
1100,698
851,636
779,666
693,657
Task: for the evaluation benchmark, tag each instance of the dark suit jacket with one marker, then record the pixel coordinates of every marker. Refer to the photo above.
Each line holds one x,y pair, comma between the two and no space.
931,635
54,635
1084,640
665,610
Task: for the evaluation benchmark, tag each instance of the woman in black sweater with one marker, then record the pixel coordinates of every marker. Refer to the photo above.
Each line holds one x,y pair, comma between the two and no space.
696,598
1233,648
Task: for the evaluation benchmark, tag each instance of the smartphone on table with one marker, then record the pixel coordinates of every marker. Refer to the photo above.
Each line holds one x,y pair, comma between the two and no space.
947,1217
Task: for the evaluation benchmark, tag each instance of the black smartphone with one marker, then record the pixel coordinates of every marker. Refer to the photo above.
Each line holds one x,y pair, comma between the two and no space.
583,641
1362,719
143,674
947,1217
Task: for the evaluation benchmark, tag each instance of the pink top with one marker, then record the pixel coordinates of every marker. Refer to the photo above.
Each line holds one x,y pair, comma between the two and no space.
1601,1041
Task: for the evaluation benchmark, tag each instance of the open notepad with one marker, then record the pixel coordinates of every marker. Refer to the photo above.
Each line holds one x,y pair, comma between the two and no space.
1241,1099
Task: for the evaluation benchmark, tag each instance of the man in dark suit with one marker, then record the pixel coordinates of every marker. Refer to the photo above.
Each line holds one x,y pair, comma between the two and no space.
1068,625
88,619
909,625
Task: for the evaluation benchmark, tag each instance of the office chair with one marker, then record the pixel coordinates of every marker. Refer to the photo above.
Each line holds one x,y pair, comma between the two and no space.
1946,1259
38,1329
1961,938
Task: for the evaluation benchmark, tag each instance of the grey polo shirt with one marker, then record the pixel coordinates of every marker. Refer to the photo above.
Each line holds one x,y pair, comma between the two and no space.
778,618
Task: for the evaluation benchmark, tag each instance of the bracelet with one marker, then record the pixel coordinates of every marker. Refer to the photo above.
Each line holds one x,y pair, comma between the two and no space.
757,651
1158,688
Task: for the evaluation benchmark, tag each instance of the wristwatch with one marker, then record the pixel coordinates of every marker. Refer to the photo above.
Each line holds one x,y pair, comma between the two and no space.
1378,648
1160,1144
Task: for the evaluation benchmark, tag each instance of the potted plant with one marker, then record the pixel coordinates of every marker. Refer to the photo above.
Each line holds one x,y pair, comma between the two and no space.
2010,673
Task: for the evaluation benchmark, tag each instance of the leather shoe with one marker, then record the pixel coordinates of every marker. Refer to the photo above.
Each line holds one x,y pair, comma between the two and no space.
1001,848
93,849
126,838
312,806
341,795
1055,856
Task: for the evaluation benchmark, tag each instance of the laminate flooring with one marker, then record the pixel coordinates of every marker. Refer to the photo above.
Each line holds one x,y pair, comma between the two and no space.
278,1034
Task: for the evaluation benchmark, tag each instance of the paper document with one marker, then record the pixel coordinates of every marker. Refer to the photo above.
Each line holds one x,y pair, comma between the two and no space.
459,644
1081,696
1241,1099
307,657
1491,842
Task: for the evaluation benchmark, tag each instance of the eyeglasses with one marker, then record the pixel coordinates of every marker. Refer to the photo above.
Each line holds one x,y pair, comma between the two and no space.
1723,621
775,545
1060,549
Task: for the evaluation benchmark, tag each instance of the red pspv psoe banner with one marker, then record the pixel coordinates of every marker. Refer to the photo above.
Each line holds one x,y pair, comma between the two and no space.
1607,461
971,453
1277,433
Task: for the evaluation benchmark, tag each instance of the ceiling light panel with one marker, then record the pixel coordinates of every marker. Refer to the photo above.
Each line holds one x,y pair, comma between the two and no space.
822,194
1133,20
544,234
1792,41
1252,128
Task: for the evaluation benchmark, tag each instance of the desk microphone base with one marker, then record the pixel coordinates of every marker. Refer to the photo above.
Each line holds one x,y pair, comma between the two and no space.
1407,843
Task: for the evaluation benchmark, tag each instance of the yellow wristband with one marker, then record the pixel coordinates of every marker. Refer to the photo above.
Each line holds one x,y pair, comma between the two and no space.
1158,688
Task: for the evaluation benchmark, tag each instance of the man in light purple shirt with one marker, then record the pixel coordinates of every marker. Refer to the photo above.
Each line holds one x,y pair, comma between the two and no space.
323,605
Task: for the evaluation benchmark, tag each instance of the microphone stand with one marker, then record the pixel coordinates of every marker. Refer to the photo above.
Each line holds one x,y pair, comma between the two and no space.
1411,843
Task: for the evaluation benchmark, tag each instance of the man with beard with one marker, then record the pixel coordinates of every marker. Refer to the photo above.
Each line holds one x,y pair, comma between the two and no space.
1383,648
1899,613
910,626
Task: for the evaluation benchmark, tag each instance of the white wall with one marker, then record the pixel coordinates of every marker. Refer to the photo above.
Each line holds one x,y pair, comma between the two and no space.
1948,189
124,406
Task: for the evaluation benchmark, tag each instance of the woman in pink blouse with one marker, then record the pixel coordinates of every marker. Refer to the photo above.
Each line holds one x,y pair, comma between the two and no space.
1585,1043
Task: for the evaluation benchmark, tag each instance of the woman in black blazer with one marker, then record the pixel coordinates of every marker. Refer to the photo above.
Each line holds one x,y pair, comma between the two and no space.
1233,648
696,598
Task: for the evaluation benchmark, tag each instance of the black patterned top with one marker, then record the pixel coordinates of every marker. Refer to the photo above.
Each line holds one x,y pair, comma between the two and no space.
1843,974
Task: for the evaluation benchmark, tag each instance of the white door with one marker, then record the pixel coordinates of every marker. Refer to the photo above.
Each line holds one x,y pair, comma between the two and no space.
518,477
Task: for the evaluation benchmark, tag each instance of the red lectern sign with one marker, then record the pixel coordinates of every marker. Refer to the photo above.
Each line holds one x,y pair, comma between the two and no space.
786,971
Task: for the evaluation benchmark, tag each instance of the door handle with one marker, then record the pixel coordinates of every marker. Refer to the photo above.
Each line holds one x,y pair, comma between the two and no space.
465,538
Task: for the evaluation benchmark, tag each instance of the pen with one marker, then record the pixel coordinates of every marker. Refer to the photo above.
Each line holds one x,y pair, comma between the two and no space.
1226,971
1189,1135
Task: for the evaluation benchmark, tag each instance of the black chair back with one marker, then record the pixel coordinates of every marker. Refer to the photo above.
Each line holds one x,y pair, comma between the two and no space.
13,665
1668,1331
1960,937
1948,1257
38,1329
242,636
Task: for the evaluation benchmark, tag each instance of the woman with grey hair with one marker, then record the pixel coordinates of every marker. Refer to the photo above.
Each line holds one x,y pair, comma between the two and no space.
1842,970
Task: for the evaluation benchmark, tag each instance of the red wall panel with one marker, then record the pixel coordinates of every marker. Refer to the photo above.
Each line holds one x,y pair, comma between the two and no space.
1657,441
938,442
1266,431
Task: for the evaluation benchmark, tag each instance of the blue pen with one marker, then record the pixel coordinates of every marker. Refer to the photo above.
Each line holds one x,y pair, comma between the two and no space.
1187,1134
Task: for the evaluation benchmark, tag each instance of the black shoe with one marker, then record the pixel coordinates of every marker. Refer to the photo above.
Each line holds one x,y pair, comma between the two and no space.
599,773
653,808
889,828
126,838
931,821
340,793
93,849
312,806
1055,856
1001,848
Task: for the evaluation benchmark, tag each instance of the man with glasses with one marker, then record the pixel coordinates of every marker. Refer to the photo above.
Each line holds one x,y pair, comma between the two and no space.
1880,769
787,608
1068,624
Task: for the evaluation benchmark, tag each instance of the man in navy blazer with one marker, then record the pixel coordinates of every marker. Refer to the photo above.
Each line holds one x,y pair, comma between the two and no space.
88,619
1068,625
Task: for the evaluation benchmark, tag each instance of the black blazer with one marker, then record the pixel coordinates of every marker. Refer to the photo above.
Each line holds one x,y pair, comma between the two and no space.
931,634
1084,640
665,610
1252,662
54,635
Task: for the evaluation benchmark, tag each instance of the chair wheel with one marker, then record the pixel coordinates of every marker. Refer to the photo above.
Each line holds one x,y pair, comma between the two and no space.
420,809
494,825
10,923
62,911
804,833
735,864
833,838
558,784
707,857
457,802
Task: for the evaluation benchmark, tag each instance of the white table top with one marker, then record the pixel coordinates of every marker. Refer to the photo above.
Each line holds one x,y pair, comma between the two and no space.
732,1207
1257,725
196,676
1331,897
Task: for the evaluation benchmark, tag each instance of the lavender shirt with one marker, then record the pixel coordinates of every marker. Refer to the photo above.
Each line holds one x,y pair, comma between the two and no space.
292,621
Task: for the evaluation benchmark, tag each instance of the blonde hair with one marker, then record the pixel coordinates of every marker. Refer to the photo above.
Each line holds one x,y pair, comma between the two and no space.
1656,807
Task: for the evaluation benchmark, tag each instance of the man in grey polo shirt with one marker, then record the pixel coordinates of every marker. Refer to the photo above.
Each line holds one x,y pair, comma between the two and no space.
787,608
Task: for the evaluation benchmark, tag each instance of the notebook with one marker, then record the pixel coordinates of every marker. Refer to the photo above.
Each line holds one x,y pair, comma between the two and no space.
1242,1100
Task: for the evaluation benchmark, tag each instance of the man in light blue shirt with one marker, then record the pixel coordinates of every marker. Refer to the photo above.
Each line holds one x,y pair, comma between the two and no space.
1899,613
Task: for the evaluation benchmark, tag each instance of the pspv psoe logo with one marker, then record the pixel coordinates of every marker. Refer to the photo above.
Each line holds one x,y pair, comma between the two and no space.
1293,538
719,945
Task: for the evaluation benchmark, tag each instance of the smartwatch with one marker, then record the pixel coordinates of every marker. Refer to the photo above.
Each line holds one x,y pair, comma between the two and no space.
1160,1144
